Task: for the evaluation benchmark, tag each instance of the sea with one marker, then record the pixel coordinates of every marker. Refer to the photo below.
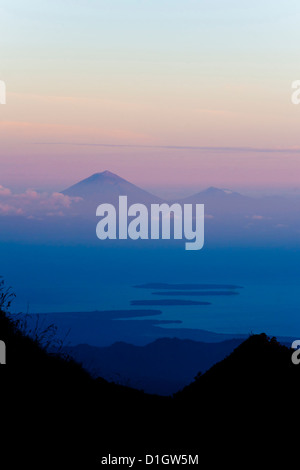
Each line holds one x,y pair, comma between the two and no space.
265,282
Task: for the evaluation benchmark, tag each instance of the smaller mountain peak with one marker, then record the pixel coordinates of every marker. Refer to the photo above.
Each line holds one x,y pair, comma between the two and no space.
212,189
227,191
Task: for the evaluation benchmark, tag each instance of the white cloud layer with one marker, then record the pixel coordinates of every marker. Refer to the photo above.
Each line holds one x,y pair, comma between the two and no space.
33,204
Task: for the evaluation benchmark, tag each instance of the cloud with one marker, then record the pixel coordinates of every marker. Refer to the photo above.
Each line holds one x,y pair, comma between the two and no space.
283,150
6,209
281,226
257,217
4,191
35,205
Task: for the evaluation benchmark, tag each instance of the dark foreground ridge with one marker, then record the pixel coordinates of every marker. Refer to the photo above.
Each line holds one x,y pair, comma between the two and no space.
56,413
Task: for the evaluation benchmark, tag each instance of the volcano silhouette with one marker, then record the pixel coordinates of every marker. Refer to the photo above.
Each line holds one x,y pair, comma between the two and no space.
106,187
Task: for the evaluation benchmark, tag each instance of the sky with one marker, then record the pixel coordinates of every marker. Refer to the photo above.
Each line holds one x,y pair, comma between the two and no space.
171,95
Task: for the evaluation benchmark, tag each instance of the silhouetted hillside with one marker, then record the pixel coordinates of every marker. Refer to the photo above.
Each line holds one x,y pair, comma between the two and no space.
57,414
250,399
70,415
259,365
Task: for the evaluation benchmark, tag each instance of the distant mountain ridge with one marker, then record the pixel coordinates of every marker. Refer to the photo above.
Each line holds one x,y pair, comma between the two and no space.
162,367
230,217
106,187
110,186
227,212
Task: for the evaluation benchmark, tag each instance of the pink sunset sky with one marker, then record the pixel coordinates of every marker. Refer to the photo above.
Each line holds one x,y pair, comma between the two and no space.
173,96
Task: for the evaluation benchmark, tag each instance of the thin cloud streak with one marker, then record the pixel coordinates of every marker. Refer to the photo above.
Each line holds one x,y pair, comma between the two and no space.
179,147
